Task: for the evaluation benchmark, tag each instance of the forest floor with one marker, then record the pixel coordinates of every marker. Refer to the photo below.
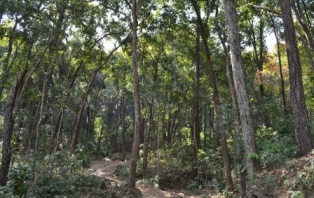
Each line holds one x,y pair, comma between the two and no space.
293,178
106,169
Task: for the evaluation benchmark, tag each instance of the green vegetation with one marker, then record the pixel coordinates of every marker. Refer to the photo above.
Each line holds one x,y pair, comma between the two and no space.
214,108
51,176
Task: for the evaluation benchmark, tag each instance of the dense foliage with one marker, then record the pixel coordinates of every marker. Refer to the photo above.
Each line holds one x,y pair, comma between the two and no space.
66,92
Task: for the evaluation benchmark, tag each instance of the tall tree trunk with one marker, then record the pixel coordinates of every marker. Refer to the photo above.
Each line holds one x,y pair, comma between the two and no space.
77,124
237,128
9,119
136,95
196,108
57,132
30,128
212,78
258,54
5,65
78,120
41,106
282,80
147,136
58,124
252,162
124,127
238,158
301,119
100,139
259,59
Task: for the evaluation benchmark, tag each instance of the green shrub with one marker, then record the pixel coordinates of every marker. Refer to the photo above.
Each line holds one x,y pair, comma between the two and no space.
19,177
274,148
193,185
50,176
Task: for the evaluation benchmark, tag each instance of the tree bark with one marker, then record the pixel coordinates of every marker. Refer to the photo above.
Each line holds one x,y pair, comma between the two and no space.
29,140
258,54
77,124
282,80
259,59
301,118
5,64
57,129
148,135
196,108
136,95
57,132
41,106
9,119
78,120
252,162
238,158
237,128
124,125
212,78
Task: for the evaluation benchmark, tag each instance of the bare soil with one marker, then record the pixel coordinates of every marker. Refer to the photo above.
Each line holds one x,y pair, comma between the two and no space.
106,168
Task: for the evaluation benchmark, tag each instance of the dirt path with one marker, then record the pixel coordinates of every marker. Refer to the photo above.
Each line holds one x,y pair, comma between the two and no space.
106,168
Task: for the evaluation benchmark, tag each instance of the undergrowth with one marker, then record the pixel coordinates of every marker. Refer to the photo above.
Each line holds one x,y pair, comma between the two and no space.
51,176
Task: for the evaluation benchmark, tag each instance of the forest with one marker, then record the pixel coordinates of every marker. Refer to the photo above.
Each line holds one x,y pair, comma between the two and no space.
201,98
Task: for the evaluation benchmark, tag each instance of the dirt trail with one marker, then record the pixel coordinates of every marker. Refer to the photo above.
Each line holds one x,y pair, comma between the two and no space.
106,168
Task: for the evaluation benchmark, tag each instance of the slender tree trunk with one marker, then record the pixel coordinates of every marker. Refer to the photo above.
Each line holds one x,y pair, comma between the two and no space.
58,124
57,132
252,162
124,127
196,108
116,135
100,139
77,124
301,119
147,137
41,107
136,95
282,80
9,119
29,134
238,158
212,78
5,64
258,54
259,59
78,120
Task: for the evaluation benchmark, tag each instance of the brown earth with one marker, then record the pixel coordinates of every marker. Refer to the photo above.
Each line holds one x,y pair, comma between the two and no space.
106,168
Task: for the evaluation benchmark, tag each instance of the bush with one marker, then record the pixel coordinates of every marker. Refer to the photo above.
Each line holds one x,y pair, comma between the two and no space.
274,148
52,176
